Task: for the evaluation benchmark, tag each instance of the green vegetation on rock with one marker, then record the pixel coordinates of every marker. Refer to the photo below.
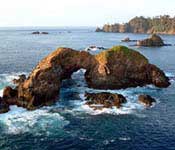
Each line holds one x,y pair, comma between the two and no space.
122,51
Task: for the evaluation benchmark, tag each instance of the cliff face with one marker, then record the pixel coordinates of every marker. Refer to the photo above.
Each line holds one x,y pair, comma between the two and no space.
162,25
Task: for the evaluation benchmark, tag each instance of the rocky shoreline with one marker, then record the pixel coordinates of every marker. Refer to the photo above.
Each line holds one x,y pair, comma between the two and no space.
159,25
115,68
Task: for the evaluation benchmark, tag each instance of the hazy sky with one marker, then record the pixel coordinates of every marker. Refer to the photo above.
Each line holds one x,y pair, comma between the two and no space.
78,12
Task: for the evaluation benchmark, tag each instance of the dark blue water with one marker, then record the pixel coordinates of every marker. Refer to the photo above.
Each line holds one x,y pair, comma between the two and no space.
70,124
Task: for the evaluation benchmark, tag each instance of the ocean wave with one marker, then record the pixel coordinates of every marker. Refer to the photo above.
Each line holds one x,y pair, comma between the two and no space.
6,78
19,120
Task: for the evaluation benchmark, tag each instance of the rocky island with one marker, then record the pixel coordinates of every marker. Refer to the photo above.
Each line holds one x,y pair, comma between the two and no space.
153,41
115,68
160,24
38,32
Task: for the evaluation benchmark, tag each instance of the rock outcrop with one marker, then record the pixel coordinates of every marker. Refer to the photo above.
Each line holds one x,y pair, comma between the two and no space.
153,41
104,100
38,32
127,39
146,100
44,33
21,79
118,67
98,30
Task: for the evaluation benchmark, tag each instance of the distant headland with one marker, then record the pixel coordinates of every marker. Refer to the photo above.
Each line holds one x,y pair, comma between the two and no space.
160,25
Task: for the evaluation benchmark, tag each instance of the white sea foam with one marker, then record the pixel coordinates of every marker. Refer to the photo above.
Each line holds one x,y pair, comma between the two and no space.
168,74
131,94
171,76
1,92
124,138
128,108
19,120
6,79
131,106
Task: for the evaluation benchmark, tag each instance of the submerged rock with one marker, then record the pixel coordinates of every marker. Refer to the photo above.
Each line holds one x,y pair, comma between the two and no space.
104,100
116,68
153,40
146,100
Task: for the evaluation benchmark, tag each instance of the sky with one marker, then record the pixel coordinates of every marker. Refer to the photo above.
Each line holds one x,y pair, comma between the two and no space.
79,12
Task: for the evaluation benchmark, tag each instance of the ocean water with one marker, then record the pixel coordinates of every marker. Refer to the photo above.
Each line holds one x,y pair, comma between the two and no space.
70,124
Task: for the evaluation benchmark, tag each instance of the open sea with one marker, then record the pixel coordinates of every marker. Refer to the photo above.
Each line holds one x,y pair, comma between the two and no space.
70,124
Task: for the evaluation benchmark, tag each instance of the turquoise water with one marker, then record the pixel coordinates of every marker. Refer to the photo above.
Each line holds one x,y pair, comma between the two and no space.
70,124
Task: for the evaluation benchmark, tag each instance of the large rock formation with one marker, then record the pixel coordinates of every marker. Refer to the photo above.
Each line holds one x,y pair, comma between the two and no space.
118,67
161,25
154,40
